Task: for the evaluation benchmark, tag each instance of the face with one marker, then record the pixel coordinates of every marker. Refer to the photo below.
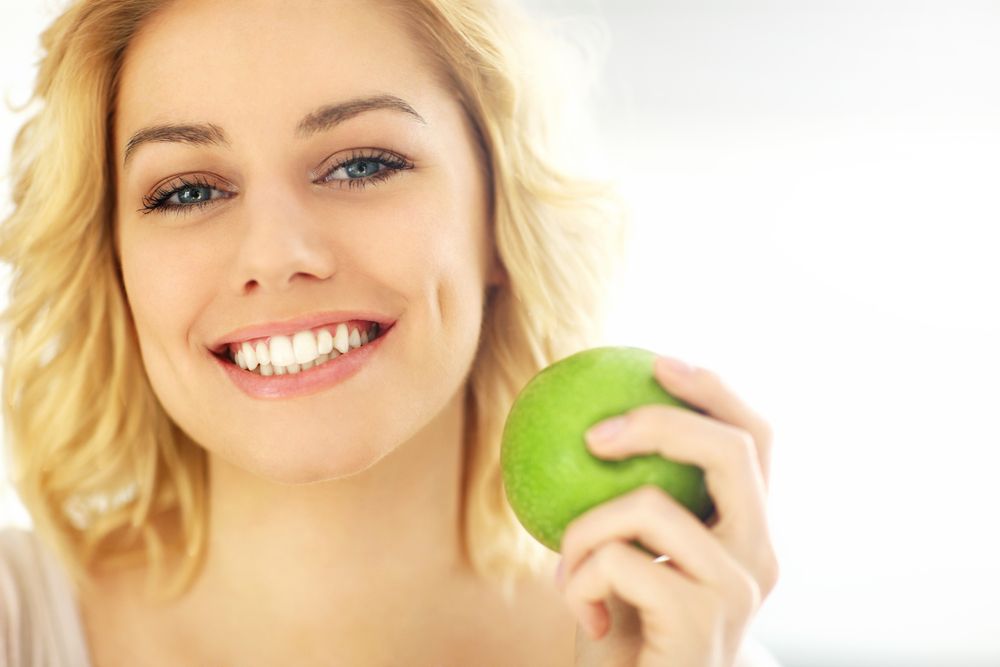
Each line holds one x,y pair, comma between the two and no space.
291,167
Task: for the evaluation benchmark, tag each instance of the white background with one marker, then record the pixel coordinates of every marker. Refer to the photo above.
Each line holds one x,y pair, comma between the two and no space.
815,193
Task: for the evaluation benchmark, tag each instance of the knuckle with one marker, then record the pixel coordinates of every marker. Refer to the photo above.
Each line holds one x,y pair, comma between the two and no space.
608,557
743,441
767,431
649,499
746,594
596,560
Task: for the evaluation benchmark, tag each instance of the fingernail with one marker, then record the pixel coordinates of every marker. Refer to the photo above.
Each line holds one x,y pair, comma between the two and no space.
675,366
606,429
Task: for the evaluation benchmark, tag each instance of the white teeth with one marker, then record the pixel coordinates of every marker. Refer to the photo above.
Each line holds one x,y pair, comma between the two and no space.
283,355
281,351
304,346
263,356
249,356
324,341
340,339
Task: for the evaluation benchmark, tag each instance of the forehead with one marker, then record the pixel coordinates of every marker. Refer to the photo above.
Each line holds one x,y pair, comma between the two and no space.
256,65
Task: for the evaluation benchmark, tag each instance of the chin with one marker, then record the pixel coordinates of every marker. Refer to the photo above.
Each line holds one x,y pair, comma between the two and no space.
320,461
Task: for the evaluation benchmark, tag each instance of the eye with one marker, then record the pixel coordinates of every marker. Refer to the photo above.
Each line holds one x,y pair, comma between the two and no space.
181,194
364,167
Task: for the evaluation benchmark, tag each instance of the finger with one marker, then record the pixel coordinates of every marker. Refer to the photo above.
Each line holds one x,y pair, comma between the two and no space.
704,389
659,522
657,591
724,452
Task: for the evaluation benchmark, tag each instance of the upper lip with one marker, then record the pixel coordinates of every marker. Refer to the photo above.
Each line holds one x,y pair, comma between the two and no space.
296,324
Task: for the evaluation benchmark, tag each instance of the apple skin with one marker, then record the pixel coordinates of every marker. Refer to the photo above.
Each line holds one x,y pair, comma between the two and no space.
549,475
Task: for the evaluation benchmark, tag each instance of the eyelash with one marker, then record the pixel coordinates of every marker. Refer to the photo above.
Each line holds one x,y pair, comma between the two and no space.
157,201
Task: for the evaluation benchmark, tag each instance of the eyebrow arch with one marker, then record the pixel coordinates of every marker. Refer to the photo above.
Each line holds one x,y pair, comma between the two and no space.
323,118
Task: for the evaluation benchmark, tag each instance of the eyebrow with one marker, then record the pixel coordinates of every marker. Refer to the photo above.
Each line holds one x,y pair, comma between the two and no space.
324,118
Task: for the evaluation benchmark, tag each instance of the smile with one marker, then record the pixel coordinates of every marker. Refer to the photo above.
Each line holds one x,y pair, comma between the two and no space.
304,363
278,355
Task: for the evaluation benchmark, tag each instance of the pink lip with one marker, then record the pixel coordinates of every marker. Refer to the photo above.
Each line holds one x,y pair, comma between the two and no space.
306,382
289,327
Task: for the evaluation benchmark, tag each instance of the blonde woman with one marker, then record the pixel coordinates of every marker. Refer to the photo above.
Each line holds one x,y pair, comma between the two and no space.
279,270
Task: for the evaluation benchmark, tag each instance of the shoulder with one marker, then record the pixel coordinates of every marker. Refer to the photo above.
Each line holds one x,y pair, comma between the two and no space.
39,622
15,567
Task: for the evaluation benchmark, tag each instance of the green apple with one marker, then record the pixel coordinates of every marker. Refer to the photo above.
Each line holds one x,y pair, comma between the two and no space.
549,474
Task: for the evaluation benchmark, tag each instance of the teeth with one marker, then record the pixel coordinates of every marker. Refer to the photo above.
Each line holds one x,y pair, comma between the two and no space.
263,356
249,356
324,342
304,345
340,339
281,351
289,355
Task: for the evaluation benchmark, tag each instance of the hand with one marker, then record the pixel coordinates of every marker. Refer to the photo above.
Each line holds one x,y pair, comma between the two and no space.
693,608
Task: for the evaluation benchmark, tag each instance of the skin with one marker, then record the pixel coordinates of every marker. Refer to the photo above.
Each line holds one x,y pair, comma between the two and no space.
693,609
330,539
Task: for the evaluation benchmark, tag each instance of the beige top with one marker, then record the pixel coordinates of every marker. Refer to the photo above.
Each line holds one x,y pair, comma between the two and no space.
39,617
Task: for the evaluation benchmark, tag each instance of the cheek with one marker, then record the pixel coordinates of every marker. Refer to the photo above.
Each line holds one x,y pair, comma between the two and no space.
167,277
442,227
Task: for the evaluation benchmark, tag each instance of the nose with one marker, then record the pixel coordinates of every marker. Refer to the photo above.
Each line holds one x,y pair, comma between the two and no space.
281,242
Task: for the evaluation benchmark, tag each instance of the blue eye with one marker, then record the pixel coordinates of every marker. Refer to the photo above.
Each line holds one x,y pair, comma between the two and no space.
192,195
359,170
362,167
182,194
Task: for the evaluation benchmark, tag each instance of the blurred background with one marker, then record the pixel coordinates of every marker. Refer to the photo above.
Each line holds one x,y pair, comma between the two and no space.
814,192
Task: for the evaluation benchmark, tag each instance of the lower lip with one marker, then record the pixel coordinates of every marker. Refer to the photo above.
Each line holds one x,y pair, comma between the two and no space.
303,383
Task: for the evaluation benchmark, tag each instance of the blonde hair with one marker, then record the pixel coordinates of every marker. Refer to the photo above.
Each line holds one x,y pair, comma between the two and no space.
95,458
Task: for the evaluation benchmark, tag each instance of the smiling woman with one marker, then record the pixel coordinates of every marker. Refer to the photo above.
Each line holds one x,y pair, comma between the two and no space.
279,270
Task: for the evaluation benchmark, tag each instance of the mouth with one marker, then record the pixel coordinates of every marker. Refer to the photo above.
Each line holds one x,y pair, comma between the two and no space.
302,351
294,366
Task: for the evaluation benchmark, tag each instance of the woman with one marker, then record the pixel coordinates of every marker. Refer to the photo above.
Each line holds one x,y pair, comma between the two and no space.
279,271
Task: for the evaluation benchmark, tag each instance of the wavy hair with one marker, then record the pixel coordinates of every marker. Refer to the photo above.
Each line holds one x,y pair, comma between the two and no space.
96,460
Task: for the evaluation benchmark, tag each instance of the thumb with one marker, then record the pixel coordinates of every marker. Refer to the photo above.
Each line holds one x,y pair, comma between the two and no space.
620,646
